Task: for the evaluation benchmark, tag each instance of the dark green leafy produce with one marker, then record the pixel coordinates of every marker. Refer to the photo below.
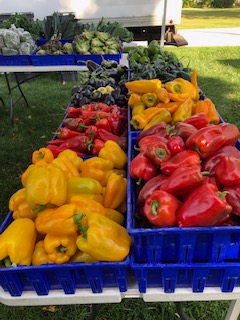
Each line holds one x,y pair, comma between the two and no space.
154,62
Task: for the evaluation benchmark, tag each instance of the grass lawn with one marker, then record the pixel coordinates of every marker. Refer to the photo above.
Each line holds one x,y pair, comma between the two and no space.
218,76
210,18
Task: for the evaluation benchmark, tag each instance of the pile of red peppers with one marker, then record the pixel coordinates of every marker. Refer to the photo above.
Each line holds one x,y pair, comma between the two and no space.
85,129
187,175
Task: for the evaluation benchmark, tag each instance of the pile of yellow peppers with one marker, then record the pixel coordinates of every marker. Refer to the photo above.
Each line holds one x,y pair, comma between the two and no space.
152,102
69,210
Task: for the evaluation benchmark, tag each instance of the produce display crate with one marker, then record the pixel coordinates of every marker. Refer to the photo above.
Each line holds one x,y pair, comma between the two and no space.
52,59
197,276
178,245
15,60
65,277
81,58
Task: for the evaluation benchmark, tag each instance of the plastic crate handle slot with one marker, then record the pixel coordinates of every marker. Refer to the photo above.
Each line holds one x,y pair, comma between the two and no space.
39,282
230,278
66,281
12,285
169,279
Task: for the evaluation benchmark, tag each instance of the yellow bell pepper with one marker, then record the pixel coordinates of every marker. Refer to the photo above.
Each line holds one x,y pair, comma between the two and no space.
115,192
81,256
61,221
170,106
133,99
86,206
162,95
95,197
97,168
18,205
144,86
73,156
181,89
25,174
195,84
67,166
149,99
212,114
44,154
183,112
138,108
40,256
115,215
104,239
81,185
46,186
17,242
140,120
163,116
200,107
60,248
113,152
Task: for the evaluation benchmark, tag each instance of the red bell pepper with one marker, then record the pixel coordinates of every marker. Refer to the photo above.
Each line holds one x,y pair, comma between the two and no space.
77,124
184,130
184,180
148,140
103,124
230,133
81,144
210,162
115,124
156,128
74,112
97,146
158,153
233,198
213,180
95,114
65,133
227,171
141,168
206,140
148,188
199,120
91,132
105,135
175,145
205,206
161,209
184,158
100,106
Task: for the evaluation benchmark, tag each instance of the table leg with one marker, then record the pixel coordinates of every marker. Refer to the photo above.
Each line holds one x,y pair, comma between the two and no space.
11,97
94,312
233,311
19,88
180,311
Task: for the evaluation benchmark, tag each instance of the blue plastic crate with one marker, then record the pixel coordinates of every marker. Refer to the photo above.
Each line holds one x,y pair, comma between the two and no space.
15,60
81,58
197,276
178,245
65,277
52,59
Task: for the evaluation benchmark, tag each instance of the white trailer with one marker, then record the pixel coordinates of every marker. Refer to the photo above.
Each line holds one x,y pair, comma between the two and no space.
143,18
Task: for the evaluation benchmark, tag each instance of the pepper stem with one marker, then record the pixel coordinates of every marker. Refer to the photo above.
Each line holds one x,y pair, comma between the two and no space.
7,262
160,153
154,207
78,220
223,194
39,209
139,181
61,249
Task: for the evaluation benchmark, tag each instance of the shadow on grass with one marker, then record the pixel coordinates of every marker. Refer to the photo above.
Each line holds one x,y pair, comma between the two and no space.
234,63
